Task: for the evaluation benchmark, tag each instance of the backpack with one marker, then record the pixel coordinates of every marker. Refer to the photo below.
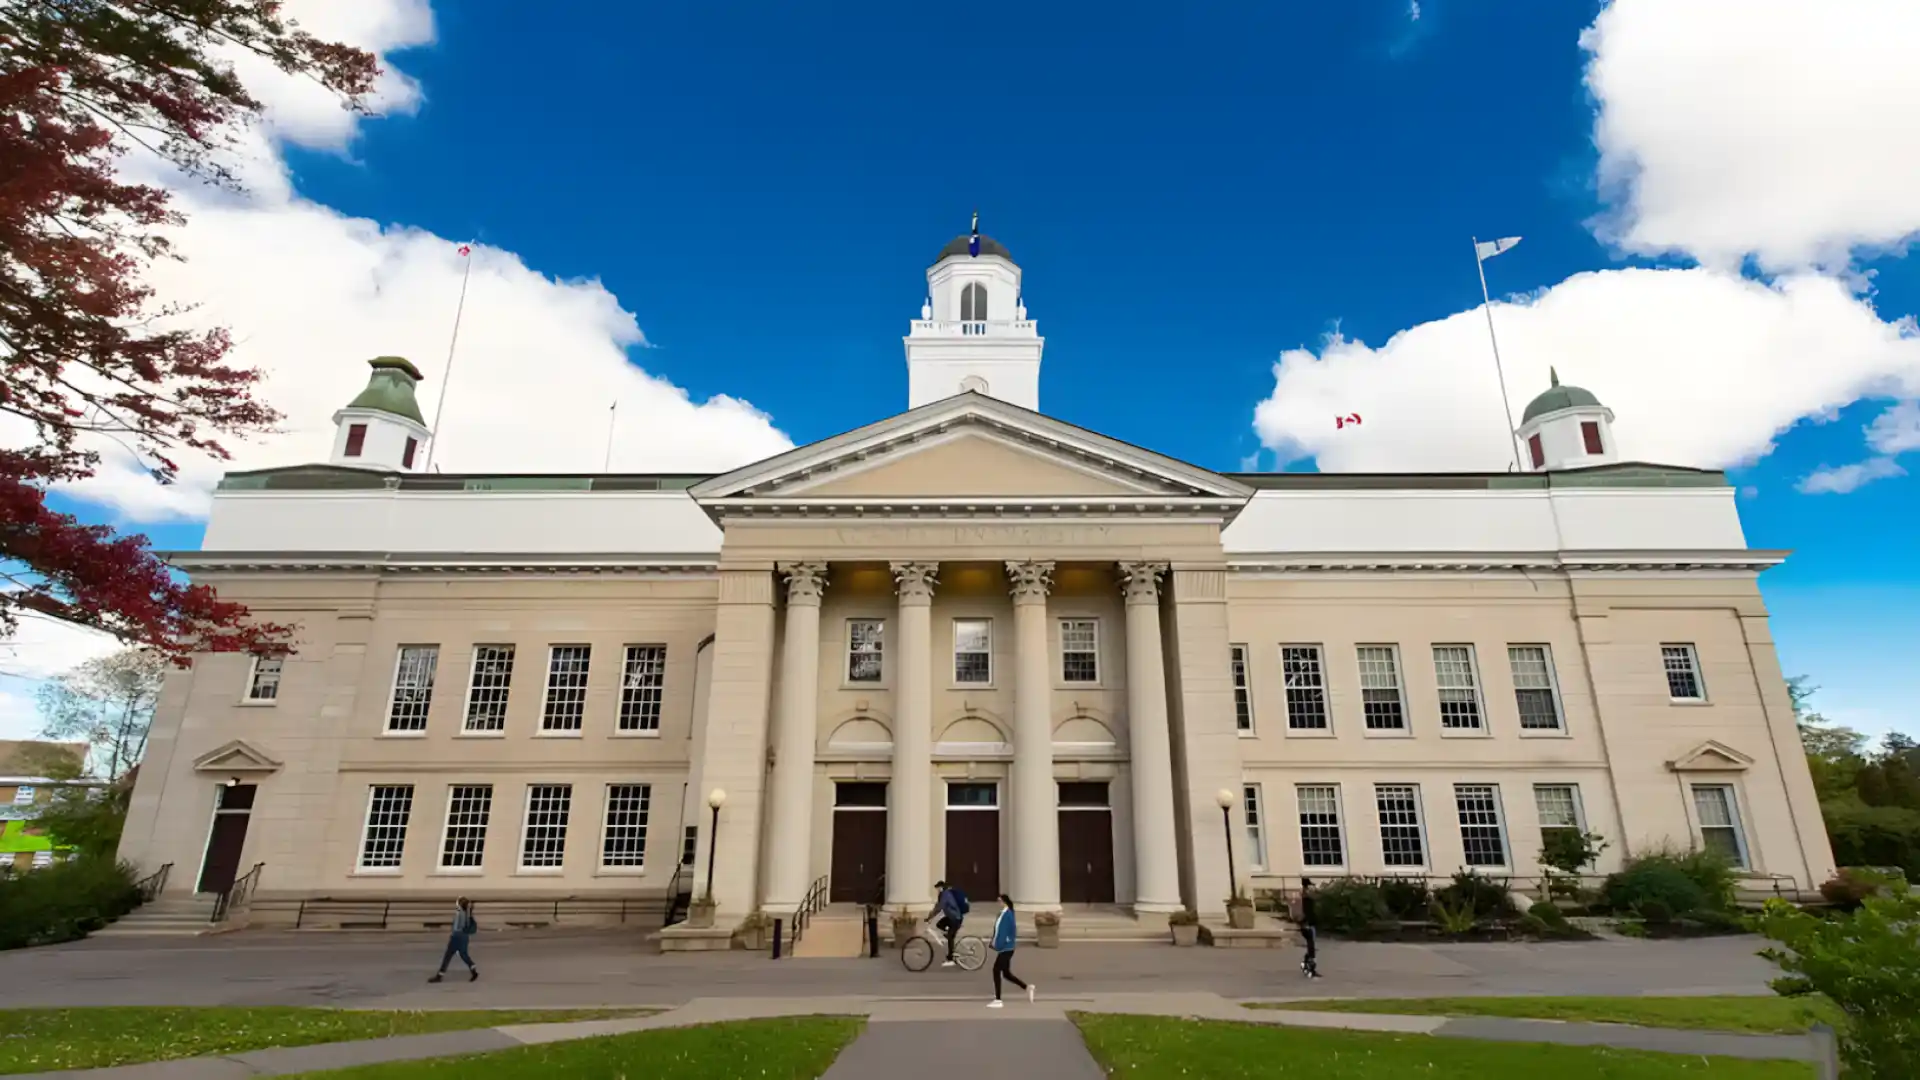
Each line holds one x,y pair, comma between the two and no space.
960,901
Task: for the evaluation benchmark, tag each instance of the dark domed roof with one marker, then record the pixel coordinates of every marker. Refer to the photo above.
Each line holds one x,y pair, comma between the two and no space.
1557,397
988,246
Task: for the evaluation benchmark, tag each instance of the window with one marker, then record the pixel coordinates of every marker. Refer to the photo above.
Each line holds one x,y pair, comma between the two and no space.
1559,807
1535,451
487,687
543,843
1590,435
972,651
1306,687
1459,690
643,686
624,841
412,687
23,795
356,440
689,844
1402,841
406,455
1321,843
1256,835
1481,836
1242,689
1533,687
1079,650
865,648
973,303
464,844
1683,673
263,681
566,703
972,796
1720,822
389,806
1381,700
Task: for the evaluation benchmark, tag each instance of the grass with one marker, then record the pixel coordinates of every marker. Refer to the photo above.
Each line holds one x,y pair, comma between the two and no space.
40,1040
794,1048
1150,1048
1758,1014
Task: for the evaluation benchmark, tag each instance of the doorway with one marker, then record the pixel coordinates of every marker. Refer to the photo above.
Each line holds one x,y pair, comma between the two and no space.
232,806
973,840
859,843
1086,843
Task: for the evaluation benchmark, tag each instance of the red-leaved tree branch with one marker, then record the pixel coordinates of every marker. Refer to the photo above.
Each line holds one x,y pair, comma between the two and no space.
85,351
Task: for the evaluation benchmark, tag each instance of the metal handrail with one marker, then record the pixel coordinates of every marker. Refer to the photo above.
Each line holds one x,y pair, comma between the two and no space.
235,896
816,900
673,893
153,884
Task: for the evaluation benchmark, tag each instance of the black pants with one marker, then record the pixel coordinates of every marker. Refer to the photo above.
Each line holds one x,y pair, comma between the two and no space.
1003,966
456,943
952,928
1311,963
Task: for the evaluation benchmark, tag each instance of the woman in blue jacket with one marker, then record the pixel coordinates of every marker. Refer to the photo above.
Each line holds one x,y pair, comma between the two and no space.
1003,942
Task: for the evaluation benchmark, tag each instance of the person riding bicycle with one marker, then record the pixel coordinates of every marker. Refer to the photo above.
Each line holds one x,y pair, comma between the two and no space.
951,906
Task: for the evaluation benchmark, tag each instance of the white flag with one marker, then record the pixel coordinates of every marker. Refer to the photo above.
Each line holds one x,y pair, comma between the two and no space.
1488,249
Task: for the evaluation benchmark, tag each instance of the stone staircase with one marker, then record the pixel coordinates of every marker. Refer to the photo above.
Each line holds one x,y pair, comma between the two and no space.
168,916
833,933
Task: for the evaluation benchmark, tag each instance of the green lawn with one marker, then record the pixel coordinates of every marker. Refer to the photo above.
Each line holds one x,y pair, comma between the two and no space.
1763,1015
1152,1048
794,1048
40,1040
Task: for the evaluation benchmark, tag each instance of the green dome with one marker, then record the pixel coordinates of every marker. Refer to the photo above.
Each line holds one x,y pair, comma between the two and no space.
390,389
1558,397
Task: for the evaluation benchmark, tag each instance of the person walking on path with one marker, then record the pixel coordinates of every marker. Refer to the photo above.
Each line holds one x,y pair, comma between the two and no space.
1310,964
1003,943
464,927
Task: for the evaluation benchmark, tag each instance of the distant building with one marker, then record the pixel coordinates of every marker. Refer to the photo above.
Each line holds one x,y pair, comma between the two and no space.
24,788
976,642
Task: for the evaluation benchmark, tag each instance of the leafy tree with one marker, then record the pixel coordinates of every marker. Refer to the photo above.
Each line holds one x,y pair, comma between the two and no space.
1866,962
107,701
84,820
1834,752
85,352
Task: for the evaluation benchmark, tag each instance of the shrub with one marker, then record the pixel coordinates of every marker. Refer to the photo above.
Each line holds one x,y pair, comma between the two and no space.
1850,885
1349,906
1867,962
1406,898
1708,919
1548,913
1456,917
1533,926
1653,879
64,901
1714,874
1874,835
1655,912
1184,918
1047,918
1485,897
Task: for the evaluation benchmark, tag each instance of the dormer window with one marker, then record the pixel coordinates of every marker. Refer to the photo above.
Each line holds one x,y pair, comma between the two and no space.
1590,434
406,456
356,439
973,303
1537,452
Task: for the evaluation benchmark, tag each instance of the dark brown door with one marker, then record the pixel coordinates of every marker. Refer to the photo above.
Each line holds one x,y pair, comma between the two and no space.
222,865
973,854
859,856
1086,856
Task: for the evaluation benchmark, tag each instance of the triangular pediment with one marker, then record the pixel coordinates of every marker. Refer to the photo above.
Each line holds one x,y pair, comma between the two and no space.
968,447
238,756
1711,756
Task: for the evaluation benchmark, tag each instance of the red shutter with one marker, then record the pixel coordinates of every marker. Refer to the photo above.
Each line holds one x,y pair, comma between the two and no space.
406,459
1533,448
1590,431
356,439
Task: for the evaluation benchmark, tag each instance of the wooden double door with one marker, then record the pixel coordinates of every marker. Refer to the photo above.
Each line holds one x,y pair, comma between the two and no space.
859,843
233,806
1086,844
973,842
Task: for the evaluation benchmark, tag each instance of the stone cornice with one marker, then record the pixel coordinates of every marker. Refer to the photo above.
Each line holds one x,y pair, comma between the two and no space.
934,508
373,562
1570,562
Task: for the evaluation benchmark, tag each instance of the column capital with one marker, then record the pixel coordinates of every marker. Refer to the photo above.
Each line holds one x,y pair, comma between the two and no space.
914,581
805,581
1141,581
1031,580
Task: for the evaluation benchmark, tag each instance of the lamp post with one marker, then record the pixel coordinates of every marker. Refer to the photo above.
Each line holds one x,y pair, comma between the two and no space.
1225,798
715,799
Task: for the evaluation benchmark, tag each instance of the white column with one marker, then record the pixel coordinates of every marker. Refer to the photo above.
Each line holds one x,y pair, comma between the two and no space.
910,791
1036,798
792,810
1155,858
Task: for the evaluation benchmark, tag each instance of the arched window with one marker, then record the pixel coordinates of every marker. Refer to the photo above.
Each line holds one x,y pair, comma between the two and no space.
973,303
974,384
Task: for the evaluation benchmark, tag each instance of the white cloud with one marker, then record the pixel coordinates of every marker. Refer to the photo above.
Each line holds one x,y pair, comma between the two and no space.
1776,128
1897,430
310,295
42,648
1840,479
1700,367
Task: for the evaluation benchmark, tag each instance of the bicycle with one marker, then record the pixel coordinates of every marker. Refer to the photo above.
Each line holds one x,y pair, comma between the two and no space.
969,952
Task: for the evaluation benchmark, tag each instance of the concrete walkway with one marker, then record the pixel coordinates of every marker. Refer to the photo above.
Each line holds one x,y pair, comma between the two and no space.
922,1036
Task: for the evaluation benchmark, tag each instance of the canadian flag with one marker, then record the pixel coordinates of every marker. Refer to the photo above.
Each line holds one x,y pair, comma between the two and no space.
466,249
1342,421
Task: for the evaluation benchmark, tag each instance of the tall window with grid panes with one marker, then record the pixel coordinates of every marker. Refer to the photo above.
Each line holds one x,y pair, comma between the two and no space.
565,707
412,688
1306,688
1459,688
488,687
1403,839
1322,844
1383,704
643,689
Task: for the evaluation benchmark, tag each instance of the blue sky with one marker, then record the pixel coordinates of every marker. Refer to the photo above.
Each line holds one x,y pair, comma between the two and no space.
1191,192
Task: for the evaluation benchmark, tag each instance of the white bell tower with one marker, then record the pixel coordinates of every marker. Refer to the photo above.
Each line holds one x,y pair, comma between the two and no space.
382,427
973,334
1566,427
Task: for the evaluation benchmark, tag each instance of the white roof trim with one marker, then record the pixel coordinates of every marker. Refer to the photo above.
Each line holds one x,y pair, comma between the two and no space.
237,756
1569,561
1711,756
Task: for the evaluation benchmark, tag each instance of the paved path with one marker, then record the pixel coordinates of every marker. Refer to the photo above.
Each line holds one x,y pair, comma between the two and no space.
920,1037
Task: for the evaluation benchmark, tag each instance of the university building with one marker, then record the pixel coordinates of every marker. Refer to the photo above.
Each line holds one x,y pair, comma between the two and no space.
969,641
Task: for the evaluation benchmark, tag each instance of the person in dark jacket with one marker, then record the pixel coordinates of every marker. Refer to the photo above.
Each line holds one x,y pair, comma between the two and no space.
1309,930
951,906
1004,939
464,928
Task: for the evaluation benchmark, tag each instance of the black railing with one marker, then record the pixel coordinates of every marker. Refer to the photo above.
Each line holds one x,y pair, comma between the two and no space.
153,884
815,901
233,899
679,895
388,914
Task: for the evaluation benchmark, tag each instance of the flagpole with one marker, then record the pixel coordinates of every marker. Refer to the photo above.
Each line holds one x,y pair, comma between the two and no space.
440,405
1486,304
612,411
